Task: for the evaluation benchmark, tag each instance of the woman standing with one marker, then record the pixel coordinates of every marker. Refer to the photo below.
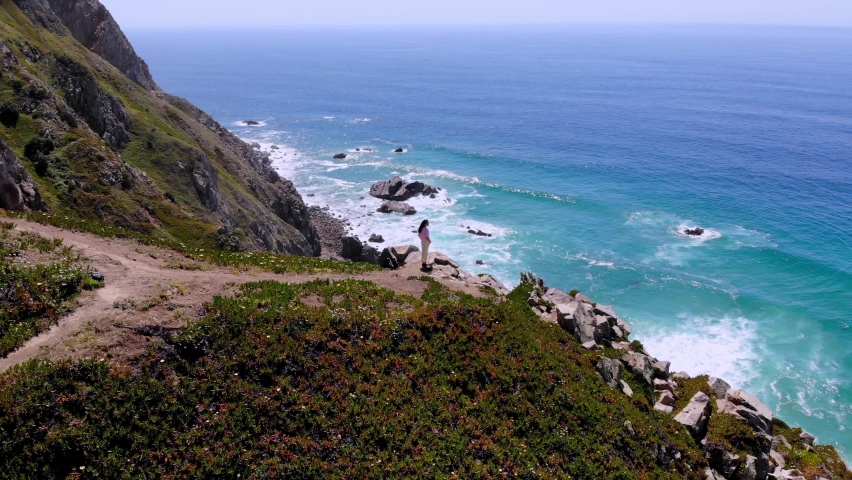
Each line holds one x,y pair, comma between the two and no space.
425,241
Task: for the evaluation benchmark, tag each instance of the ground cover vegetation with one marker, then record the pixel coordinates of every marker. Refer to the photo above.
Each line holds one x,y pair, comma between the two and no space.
340,380
38,279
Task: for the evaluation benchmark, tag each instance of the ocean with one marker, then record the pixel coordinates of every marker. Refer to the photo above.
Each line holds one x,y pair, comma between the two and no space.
585,152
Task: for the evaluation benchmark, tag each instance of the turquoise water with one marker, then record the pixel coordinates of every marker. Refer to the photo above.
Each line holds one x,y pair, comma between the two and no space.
585,152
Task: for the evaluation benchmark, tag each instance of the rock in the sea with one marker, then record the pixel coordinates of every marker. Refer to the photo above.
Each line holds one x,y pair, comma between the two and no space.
339,156
251,123
479,233
695,232
352,248
375,238
398,190
398,207
695,415
398,150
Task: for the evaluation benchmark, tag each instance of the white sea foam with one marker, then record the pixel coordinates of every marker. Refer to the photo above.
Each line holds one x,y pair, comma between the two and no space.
725,346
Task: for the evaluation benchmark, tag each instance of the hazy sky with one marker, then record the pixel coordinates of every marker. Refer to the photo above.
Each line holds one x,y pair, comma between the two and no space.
166,13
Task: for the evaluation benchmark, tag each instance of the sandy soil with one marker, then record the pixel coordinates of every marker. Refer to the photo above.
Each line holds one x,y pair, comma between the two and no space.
140,290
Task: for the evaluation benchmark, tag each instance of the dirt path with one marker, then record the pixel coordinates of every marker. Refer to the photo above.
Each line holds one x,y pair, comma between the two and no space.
141,290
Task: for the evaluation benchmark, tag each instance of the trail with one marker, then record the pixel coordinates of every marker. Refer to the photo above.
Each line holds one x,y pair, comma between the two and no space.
137,273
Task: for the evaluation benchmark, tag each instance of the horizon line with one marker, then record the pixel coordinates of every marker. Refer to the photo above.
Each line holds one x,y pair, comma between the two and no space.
488,25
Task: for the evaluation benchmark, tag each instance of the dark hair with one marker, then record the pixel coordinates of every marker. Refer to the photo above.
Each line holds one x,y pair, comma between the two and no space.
422,226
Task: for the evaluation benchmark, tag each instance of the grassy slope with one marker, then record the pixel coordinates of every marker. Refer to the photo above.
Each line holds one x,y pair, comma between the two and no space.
378,385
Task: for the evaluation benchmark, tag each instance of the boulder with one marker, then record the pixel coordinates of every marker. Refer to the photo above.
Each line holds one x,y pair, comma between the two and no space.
641,364
662,385
746,406
754,468
681,375
795,474
582,298
667,409
695,415
369,254
610,370
719,386
565,316
807,438
626,389
388,259
398,150
591,345
710,474
777,459
624,327
377,238
398,207
556,296
351,248
397,189
695,232
385,190
667,398
339,156
18,190
403,252
602,330
661,368
779,442
251,123
441,259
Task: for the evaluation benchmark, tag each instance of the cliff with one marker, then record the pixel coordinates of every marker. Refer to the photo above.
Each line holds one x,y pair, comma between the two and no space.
97,139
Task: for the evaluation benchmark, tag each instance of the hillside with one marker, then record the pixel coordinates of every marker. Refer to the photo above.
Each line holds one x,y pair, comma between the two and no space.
86,132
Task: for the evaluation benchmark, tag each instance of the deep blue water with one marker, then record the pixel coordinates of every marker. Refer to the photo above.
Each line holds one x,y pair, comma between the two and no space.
585,151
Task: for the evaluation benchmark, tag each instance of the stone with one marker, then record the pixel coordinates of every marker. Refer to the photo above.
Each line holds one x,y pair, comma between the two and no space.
565,316
667,398
639,363
480,262
369,254
398,190
251,123
695,232
351,248
667,409
719,386
605,310
582,298
441,259
661,368
398,150
616,333
807,438
626,389
758,415
710,474
781,474
397,207
624,327
377,238
602,331
385,190
777,459
695,415
779,442
339,156
388,259
403,252
621,345
591,346
662,385
754,468
681,375
610,370
556,296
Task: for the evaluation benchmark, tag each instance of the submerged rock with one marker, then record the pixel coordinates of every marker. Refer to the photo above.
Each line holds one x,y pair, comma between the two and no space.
695,232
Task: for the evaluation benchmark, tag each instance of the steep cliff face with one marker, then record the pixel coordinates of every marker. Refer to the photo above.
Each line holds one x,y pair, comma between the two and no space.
120,149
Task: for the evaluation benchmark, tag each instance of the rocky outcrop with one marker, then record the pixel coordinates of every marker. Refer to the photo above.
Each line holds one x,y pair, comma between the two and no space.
103,112
206,182
694,232
696,414
397,189
396,207
91,24
18,190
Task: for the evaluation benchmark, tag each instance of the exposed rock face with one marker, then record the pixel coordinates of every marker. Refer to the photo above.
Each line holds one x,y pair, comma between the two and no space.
405,253
610,370
352,248
18,190
744,405
695,415
102,111
206,182
91,24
